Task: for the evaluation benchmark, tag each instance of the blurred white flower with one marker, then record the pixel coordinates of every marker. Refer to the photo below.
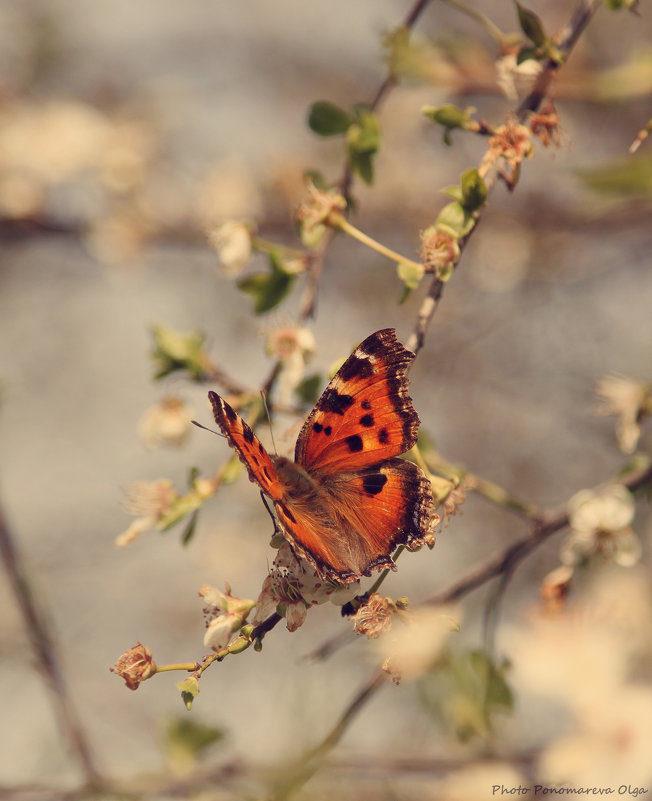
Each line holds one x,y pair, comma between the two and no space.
628,400
611,745
52,141
224,614
516,80
232,242
148,500
600,522
293,586
554,589
293,346
412,649
578,662
166,423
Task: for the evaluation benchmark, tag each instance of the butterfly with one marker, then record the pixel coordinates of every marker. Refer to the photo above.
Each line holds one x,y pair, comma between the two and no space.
345,502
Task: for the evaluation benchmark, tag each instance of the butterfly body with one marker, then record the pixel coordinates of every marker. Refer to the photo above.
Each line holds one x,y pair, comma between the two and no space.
345,502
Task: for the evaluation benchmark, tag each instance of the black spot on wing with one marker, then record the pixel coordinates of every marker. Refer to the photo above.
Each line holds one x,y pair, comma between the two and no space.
354,442
328,431
230,412
332,401
247,433
317,428
383,436
373,483
355,367
367,420
366,404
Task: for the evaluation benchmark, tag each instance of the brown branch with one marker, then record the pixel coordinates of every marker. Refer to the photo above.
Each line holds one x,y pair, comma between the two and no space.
47,659
506,560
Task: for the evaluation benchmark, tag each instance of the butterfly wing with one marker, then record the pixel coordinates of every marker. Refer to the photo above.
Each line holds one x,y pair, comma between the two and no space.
365,415
247,445
358,519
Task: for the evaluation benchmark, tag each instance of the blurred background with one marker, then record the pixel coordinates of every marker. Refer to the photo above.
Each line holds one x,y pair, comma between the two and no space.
127,131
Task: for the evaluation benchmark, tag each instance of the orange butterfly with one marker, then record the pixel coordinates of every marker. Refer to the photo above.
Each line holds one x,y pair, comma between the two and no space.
345,503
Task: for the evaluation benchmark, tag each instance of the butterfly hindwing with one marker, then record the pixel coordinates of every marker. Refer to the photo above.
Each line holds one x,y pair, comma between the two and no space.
247,445
360,519
365,415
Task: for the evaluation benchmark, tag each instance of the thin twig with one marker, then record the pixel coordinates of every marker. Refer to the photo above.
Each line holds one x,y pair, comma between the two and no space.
47,659
312,760
565,39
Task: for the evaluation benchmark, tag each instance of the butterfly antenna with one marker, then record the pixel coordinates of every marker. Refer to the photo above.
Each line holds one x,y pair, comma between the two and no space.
263,395
199,425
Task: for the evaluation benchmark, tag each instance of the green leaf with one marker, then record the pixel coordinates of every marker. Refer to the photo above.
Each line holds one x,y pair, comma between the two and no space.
189,689
363,139
267,289
327,119
474,190
308,390
363,165
182,506
465,692
527,53
189,530
448,115
454,217
410,273
531,25
453,191
174,350
194,737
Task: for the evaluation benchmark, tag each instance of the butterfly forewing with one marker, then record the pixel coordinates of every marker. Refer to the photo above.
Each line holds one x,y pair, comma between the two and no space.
247,445
365,415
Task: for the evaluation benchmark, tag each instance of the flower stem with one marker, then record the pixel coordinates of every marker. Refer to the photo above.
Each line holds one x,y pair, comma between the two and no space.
337,220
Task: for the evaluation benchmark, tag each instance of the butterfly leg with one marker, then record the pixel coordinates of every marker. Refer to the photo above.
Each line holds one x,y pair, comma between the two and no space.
278,531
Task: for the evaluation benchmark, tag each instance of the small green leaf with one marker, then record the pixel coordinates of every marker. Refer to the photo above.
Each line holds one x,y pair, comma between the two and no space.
453,191
189,689
363,165
192,736
366,135
454,217
189,530
527,53
327,119
267,289
179,508
175,350
474,190
448,115
531,25
363,139
410,273
308,390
